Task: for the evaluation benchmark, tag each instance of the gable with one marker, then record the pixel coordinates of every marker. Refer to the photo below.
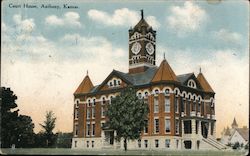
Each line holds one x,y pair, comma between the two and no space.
114,80
189,80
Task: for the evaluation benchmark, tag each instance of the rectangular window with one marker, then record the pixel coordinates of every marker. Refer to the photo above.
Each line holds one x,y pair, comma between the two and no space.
146,127
76,113
146,143
88,129
93,112
167,125
75,143
93,129
194,105
196,126
87,144
167,104
89,103
176,126
139,143
156,105
167,143
183,103
102,124
76,129
156,126
102,111
199,107
156,143
176,103
88,114
187,107
93,144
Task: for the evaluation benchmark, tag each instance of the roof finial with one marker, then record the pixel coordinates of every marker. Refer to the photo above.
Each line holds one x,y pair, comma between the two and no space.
142,14
164,56
200,69
87,72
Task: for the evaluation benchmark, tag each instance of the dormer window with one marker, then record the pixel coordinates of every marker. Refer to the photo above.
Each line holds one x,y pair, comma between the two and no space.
110,84
156,91
191,83
139,95
114,82
93,102
119,82
166,91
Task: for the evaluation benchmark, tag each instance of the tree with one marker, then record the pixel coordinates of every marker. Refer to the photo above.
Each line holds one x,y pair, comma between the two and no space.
15,129
48,127
127,115
236,145
25,126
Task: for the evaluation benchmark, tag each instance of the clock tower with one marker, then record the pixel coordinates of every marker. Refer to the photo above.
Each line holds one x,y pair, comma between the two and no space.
141,47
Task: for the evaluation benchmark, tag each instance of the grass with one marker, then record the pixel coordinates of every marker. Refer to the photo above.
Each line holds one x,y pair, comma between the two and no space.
65,151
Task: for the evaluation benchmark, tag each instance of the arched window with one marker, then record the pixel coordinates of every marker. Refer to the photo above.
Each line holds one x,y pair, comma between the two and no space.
166,91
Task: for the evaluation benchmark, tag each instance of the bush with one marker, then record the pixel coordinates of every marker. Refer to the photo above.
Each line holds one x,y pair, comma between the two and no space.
236,145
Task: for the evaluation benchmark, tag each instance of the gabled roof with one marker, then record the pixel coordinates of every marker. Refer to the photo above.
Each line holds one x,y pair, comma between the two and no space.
244,132
164,73
185,77
114,73
204,84
85,86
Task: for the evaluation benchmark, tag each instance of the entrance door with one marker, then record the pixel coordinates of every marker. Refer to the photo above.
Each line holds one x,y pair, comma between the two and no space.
204,129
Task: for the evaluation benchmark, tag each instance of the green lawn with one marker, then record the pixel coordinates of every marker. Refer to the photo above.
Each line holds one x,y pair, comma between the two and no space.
64,151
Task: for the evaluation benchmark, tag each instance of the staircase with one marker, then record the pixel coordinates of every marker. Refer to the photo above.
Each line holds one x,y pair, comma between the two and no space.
213,142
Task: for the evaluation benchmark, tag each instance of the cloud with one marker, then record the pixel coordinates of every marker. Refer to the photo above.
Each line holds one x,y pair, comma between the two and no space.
44,74
120,17
69,19
227,36
186,19
25,26
153,22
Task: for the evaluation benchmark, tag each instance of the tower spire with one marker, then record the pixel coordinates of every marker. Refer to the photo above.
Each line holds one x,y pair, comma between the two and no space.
164,56
142,16
200,69
87,72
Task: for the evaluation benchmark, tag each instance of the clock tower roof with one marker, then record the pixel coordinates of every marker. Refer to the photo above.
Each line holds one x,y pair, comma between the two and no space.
141,24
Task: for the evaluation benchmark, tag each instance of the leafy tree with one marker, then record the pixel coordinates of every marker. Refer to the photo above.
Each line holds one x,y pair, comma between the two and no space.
25,137
127,115
236,145
15,129
246,146
48,127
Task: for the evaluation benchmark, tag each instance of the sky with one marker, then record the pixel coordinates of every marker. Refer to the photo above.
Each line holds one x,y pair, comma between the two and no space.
46,52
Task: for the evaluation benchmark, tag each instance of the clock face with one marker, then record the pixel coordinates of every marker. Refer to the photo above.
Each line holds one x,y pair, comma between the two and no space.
150,48
136,47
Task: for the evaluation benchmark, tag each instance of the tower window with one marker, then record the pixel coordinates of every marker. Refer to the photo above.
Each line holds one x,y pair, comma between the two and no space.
110,84
114,82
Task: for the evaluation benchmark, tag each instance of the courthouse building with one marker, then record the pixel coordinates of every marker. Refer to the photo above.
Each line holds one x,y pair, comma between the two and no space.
182,107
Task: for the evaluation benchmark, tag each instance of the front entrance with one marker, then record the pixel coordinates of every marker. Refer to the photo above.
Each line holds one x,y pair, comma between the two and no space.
109,137
204,129
188,144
